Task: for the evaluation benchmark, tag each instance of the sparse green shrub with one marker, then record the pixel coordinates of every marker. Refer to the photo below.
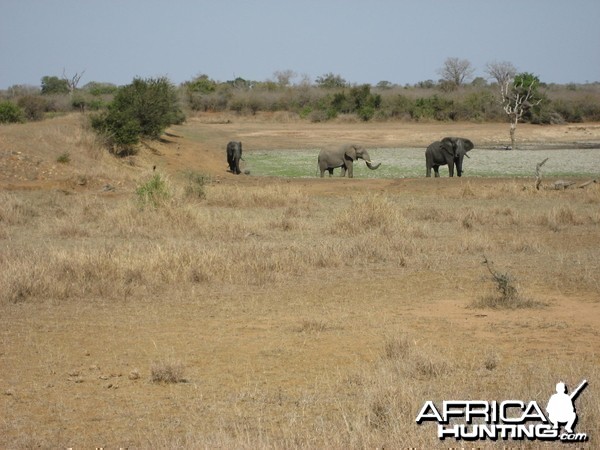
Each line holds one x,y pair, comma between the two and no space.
155,192
508,295
64,158
10,113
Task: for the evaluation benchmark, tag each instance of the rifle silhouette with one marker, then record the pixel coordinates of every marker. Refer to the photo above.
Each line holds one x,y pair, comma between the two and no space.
578,389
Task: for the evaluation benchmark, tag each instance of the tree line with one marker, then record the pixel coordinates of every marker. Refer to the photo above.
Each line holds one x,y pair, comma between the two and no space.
145,107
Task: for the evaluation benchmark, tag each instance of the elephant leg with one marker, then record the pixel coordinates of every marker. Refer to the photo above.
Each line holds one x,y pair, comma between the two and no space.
436,170
350,170
343,174
428,175
451,170
330,170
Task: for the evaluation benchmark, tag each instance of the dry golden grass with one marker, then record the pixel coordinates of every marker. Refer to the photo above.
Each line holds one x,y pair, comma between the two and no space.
303,317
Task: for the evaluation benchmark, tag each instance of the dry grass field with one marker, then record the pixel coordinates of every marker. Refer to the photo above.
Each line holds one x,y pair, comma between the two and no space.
283,313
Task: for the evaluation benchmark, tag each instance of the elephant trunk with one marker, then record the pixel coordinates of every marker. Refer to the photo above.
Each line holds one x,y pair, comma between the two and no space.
371,166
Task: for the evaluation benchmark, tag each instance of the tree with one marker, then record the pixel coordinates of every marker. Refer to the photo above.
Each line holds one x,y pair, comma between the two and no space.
384,84
502,71
329,81
201,84
72,81
456,71
54,85
284,77
142,109
518,95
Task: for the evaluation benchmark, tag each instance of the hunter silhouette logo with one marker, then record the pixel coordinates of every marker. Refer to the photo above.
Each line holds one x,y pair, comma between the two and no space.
560,406
510,419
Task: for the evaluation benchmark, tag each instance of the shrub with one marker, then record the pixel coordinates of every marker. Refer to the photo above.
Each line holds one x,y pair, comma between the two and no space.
33,106
10,113
196,183
64,158
167,372
96,89
155,192
142,109
508,295
434,107
399,106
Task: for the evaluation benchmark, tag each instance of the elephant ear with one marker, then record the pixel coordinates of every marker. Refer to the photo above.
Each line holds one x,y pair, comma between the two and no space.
351,152
449,145
468,145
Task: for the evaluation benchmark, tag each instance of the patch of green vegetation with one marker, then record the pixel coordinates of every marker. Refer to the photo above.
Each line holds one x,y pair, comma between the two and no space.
64,158
410,163
154,192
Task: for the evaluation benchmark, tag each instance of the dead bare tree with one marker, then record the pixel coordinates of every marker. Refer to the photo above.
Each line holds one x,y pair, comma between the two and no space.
73,81
538,173
456,71
501,71
517,97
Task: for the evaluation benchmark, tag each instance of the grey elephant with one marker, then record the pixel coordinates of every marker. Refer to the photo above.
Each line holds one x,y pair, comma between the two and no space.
234,154
449,151
343,157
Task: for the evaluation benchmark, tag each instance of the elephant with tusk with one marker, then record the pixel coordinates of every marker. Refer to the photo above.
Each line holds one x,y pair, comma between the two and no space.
343,157
449,151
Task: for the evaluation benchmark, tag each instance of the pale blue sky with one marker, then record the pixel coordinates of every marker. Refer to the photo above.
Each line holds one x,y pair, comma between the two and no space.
362,41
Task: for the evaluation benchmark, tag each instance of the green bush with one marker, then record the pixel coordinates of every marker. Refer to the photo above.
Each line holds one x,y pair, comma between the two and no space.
97,89
10,113
64,158
433,108
142,109
155,192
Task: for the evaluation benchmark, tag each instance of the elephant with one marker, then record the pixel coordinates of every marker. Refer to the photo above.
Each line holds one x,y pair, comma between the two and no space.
343,157
234,154
449,151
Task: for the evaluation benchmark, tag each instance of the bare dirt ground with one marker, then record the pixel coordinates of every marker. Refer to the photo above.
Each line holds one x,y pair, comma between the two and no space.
288,332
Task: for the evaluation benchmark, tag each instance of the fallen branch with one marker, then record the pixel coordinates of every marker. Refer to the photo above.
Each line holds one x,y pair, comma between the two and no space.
586,184
561,185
